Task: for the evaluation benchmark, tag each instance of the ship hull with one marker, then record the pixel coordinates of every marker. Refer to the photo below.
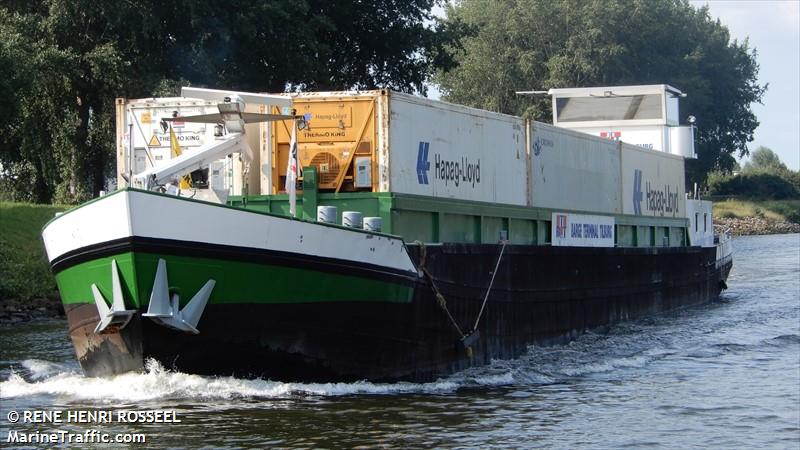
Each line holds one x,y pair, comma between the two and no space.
541,295
296,300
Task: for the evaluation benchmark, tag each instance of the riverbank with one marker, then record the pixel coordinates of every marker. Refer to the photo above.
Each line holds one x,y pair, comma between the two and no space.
748,226
15,311
27,287
752,217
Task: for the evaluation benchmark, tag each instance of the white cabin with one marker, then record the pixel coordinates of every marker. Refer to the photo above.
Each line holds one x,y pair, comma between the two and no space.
646,116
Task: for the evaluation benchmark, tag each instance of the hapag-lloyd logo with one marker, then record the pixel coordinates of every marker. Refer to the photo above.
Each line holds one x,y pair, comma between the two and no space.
637,192
450,171
423,165
663,201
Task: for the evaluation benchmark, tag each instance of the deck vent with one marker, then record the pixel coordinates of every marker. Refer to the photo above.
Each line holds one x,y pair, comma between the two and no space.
373,224
352,219
326,214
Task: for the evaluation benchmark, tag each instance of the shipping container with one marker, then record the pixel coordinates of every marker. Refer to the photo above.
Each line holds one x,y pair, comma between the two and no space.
388,142
141,119
652,183
574,171
382,141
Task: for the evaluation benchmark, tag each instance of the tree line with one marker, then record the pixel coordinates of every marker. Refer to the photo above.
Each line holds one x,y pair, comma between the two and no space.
764,176
63,62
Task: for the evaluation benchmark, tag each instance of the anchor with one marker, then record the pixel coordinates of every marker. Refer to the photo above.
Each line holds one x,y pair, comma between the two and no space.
116,316
166,311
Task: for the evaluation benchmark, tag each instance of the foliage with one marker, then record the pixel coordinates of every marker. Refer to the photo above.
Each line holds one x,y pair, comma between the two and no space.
63,62
789,209
765,176
540,44
764,159
64,67
26,273
758,185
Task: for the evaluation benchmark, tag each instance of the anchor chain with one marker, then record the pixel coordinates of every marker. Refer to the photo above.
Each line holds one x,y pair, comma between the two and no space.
467,339
439,297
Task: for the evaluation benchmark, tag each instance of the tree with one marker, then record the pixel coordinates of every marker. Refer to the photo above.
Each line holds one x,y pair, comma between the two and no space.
64,62
763,159
541,44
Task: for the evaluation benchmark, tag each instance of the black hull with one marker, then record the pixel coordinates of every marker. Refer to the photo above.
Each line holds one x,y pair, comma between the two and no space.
541,295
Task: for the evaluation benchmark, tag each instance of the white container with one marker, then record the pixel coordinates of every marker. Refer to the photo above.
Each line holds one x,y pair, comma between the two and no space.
373,224
151,143
445,150
652,183
352,219
326,214
571,170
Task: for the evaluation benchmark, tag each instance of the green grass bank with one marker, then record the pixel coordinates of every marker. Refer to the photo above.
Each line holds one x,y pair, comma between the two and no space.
25,280
778,210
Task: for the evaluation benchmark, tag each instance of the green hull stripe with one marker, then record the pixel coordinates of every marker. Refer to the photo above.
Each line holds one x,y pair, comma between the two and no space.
236,282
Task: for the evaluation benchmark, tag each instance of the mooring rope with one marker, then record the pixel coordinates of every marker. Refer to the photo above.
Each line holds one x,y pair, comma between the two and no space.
491,283
423,259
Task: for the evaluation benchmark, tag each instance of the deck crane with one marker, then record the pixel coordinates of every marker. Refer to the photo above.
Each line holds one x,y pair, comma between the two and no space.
232,116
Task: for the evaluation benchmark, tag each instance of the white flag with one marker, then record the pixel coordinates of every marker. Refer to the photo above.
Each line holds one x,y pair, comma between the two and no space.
292,172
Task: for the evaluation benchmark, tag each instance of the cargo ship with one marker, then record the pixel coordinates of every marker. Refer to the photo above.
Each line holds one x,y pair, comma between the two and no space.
377,235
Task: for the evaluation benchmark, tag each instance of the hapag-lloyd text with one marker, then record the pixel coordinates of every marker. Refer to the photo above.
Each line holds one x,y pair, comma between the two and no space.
457,171
664,201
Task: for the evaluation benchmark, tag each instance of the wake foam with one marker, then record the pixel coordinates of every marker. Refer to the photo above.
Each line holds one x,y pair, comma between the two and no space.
157,383
39,369
590,354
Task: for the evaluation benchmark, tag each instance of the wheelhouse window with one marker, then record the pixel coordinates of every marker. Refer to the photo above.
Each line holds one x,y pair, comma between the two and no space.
613,107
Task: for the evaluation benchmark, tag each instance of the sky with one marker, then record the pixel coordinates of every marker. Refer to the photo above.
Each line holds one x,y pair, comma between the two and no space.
773,29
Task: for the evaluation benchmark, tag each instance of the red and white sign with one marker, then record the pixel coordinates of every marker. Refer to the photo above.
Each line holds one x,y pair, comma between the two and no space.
613,135
582,230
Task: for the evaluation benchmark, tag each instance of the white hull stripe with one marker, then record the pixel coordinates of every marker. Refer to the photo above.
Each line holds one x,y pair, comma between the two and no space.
131,213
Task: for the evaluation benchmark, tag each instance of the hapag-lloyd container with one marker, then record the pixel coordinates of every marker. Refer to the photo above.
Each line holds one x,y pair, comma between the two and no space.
573,170
417,146
576,171
653,183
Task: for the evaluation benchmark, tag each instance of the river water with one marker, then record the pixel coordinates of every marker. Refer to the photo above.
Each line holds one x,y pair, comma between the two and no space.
722,375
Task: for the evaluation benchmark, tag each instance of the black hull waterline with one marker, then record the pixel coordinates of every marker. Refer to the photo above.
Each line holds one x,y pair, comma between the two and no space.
541,295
